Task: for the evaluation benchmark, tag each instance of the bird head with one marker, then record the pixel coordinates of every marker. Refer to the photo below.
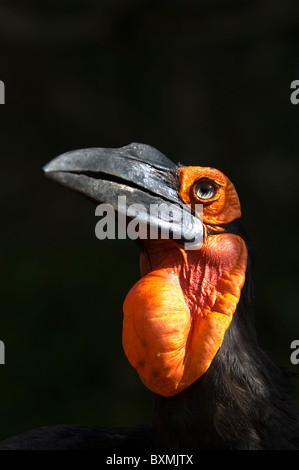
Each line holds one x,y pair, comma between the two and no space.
192,271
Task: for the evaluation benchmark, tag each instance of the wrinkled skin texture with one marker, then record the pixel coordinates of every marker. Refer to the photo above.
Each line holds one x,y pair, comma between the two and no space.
176,316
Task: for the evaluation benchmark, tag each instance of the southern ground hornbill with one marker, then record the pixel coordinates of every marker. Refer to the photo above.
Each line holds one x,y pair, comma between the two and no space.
188,322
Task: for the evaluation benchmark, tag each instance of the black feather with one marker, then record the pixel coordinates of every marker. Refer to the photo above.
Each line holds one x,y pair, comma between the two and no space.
243,401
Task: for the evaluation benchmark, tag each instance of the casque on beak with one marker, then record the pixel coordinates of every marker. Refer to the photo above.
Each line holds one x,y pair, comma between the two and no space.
139,172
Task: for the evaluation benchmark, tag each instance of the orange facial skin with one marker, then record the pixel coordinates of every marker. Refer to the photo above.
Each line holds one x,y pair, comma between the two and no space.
176,315
223,208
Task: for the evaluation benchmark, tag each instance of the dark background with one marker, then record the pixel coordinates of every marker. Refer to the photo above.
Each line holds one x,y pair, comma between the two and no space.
207,83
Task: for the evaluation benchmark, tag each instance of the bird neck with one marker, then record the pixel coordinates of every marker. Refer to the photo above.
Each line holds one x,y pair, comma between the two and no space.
243,401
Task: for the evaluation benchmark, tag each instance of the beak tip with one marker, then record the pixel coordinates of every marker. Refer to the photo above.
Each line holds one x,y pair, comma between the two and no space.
52,169
60,163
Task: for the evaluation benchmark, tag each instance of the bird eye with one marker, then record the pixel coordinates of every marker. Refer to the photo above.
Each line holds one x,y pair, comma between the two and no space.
204,189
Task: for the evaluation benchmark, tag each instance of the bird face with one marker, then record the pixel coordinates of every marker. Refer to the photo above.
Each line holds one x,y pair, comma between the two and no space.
213,189
176,315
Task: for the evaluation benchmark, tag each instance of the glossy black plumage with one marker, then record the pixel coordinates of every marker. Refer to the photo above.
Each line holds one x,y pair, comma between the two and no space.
243,401
81,437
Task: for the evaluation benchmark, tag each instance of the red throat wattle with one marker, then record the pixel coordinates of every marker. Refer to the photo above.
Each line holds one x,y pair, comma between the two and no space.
176,315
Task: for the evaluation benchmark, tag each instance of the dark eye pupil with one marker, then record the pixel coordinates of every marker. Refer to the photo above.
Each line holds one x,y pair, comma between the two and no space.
205,190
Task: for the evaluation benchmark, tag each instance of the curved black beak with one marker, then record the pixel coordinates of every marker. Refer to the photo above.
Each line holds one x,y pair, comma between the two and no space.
138,172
